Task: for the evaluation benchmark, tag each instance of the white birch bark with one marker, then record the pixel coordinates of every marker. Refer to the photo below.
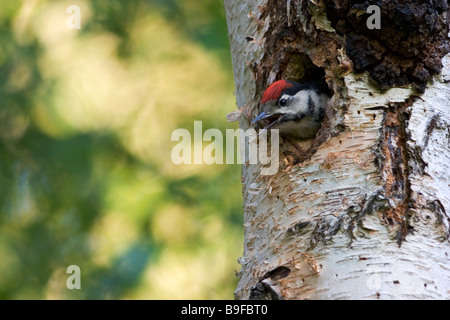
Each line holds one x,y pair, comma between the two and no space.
317,231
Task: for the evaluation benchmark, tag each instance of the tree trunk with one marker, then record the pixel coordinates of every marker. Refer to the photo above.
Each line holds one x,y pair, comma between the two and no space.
363,210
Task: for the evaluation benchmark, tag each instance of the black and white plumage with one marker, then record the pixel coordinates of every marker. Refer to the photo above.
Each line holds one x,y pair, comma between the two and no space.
294,108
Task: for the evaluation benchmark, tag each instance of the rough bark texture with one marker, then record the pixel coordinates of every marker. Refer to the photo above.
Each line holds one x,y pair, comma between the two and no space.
407,49
363,210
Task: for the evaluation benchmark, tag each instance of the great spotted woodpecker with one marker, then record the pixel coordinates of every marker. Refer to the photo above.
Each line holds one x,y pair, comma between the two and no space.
294,108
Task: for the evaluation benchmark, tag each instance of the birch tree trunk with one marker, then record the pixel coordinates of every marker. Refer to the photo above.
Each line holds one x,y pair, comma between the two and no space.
363,211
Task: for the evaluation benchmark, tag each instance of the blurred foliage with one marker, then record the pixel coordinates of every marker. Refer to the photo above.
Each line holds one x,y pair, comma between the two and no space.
86,177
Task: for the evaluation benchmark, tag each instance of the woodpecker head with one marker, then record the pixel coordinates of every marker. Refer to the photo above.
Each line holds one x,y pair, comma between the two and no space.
294,108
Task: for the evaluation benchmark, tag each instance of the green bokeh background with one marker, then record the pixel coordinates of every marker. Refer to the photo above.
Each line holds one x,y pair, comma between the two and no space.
86,176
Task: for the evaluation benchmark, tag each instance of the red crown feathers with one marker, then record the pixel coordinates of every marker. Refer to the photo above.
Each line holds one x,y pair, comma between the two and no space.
274,91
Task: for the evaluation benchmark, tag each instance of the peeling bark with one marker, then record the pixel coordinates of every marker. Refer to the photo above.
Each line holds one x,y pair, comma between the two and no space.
363,210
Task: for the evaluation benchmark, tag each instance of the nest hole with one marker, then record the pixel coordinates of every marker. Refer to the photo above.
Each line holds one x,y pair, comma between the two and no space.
300,68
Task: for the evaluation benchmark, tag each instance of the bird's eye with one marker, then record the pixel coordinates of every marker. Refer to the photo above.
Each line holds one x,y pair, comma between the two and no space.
282,102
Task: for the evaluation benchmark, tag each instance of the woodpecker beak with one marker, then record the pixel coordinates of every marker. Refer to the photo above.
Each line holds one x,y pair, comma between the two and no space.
261,116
